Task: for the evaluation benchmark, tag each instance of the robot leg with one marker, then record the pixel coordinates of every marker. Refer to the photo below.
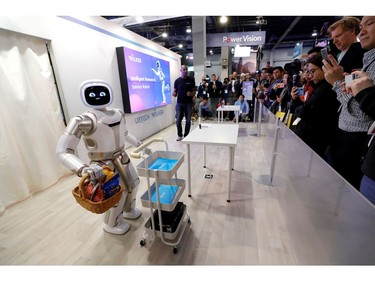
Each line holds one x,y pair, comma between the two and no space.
113,221
130,181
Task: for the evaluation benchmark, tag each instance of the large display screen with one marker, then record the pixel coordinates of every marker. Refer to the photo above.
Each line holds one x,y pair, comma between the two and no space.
145,80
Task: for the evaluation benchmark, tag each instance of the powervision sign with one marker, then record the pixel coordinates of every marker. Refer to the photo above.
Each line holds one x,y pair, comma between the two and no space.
238,38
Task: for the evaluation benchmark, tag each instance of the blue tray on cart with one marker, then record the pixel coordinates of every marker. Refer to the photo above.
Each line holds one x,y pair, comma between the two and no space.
169,193
165,162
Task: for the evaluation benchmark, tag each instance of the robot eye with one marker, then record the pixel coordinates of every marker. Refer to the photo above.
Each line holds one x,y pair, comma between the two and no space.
92,95
102,94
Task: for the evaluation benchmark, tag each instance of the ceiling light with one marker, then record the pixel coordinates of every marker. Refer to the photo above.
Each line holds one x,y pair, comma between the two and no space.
180,46
164,34
314,33
139,19
188,29
260,20
223,19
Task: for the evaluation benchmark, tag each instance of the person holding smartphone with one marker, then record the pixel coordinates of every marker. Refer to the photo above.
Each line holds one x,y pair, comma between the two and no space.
318,115
363,91
347,151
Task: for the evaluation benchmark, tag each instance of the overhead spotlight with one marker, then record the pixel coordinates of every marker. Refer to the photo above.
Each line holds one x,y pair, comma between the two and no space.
260,20
164,34
180,46
314,33
188,29
211,52
223,19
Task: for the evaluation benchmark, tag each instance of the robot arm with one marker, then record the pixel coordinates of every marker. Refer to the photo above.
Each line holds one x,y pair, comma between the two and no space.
132,139
69,141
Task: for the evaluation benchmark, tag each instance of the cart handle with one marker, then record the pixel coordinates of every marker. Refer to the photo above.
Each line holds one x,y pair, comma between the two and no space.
136,153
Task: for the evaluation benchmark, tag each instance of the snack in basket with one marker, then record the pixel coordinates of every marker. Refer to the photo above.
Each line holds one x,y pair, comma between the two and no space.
95,193
103,190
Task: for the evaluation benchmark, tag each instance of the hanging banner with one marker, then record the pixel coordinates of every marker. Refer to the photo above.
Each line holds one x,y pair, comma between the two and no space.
247,89
297,50
251,38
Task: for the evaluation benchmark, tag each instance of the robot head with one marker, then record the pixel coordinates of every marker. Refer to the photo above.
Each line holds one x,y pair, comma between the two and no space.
96,94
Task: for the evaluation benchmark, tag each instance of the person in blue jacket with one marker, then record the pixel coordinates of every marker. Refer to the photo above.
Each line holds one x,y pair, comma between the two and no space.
244,108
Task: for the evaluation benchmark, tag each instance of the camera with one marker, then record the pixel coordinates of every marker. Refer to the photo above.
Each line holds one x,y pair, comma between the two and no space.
294,68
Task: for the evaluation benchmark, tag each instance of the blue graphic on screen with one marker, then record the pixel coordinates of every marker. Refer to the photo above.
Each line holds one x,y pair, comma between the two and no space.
148,80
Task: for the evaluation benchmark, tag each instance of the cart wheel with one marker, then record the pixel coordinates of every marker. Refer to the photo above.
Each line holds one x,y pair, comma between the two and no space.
142,243
175,250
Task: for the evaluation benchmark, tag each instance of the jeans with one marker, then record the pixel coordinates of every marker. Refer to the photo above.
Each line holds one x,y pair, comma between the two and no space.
367,188
205,113
183,109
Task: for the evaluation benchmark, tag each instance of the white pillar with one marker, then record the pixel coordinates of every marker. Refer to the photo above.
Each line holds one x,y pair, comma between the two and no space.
199,46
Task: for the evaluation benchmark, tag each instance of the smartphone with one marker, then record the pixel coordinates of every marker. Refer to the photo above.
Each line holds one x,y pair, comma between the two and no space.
324,53
300,91
349,79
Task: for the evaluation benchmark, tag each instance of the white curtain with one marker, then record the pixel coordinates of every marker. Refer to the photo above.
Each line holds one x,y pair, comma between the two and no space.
31,120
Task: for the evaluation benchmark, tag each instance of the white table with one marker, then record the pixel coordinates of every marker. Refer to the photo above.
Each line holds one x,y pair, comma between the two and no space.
221,109
213,134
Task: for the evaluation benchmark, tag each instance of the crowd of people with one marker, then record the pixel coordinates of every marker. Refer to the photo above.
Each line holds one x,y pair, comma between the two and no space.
333,115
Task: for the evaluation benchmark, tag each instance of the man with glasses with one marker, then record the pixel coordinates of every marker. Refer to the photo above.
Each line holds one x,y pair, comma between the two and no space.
348,150
318,114
363,90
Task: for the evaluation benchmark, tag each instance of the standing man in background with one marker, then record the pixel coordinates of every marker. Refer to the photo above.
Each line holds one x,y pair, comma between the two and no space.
184,90
214,89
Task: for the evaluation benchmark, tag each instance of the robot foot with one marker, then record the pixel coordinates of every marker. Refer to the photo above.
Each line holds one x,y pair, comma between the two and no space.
119,229
134,214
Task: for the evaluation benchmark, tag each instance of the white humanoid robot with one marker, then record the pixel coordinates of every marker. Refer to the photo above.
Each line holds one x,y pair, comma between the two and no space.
159,72
104,132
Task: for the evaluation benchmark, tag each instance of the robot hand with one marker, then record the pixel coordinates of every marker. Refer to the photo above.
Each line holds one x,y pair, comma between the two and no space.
139,142
95,171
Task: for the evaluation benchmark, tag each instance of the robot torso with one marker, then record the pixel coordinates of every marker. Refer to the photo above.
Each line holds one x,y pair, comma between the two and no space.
107,136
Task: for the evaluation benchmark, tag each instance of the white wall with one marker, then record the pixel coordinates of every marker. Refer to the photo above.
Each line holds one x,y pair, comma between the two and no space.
85,48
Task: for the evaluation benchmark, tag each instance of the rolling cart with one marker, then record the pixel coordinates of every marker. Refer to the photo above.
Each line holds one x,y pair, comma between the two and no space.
167,213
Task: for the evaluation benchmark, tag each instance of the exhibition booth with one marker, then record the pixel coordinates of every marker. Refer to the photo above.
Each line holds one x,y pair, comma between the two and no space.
256,194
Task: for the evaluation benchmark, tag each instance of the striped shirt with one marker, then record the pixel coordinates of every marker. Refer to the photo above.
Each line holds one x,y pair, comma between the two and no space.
352,118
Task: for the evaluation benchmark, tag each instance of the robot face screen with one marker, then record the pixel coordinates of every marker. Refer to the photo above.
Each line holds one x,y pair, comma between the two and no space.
97,95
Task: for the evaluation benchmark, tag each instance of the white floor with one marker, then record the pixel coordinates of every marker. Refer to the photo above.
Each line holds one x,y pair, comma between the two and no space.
307,215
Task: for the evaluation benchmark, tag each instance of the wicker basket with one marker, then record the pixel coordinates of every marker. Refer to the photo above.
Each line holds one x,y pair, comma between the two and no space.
82,198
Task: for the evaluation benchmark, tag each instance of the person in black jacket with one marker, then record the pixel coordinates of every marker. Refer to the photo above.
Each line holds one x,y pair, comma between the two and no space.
318,114
344,36
366,99
214,90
